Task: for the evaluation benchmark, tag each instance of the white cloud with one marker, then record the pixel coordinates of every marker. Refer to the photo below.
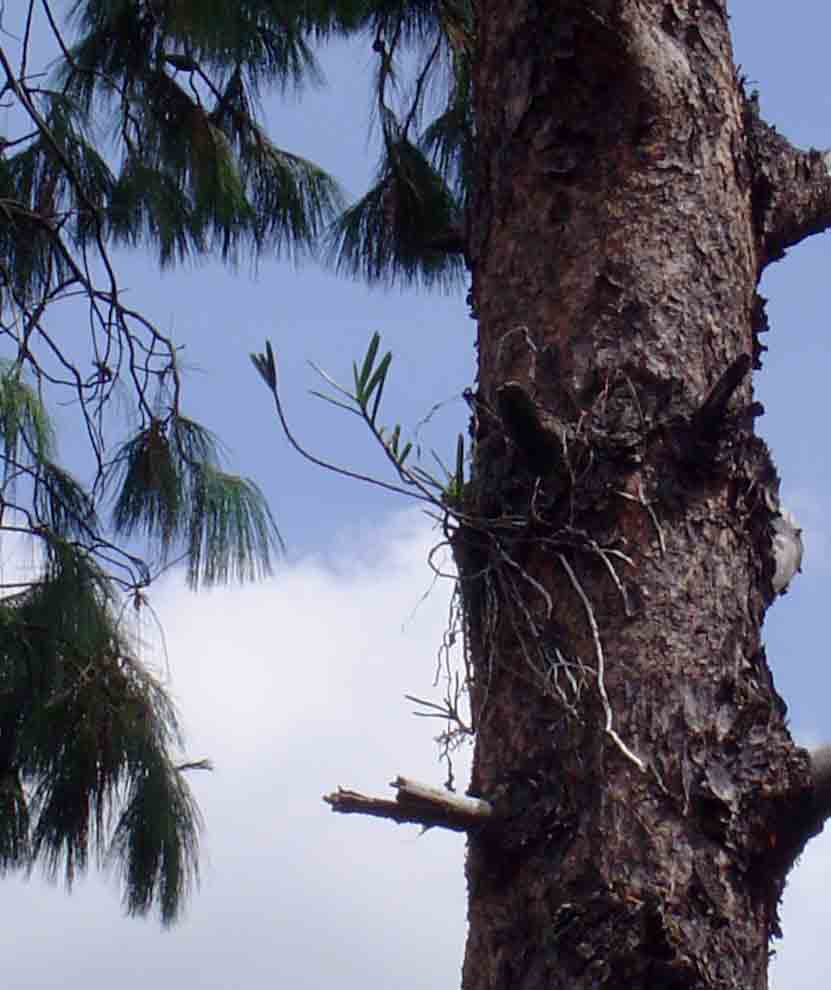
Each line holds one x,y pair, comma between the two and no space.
322,652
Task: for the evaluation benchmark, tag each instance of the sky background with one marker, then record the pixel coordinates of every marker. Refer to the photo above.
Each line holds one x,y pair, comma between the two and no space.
296,685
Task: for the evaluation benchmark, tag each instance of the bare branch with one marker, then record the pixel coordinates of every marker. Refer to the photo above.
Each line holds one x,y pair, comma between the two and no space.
416,804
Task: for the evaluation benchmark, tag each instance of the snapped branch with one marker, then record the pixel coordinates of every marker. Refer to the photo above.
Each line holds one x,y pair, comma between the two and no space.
415,804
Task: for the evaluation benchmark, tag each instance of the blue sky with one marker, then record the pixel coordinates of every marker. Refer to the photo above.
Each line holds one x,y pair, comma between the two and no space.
297,685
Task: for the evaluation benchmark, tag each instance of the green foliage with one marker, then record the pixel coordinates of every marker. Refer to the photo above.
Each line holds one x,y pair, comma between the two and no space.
453,490
57,181
179,85
86,733
449,138
65,506
14,820
155,841
176,88
81,724
399,229
171,490
409,227
149,133
364,401
415,22
230,531
25,427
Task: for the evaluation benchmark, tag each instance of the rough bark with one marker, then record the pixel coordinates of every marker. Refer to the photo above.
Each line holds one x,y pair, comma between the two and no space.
616,564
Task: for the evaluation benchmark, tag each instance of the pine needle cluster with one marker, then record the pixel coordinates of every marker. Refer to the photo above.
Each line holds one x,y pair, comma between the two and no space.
409,228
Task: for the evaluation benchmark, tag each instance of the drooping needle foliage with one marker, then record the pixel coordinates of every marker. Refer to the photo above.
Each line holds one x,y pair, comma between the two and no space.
145,132
171,490
86,737
410,225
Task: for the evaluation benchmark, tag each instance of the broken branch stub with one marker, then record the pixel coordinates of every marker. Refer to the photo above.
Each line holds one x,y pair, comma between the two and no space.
415,804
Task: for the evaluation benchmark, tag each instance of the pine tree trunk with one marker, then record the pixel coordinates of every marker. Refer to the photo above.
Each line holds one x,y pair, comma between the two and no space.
617,562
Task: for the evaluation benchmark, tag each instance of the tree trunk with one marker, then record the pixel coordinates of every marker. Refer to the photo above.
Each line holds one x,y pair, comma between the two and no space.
616,563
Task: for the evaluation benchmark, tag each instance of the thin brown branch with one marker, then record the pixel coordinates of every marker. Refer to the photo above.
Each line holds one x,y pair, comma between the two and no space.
416,804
